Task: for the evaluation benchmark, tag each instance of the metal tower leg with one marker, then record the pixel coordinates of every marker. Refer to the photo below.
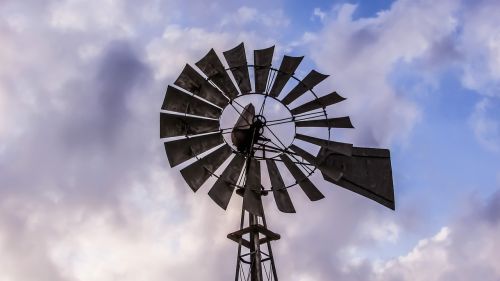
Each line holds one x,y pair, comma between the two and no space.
252,260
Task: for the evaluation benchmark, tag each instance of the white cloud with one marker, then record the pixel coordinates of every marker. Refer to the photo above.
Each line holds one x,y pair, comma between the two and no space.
271,18
317,12
361,55
479,42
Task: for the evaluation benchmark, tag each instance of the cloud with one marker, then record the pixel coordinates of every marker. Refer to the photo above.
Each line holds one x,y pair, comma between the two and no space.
480,44
361,55
272,18
465,250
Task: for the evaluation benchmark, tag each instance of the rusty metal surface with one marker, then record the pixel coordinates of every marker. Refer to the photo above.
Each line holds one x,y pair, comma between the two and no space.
252,197
328,170
211,65
321,102
237,61
191,81
199,171
338,122
262,63
281,196
172,125
367,172
339,147
312,79
304,182
286,70
182,150
178,101
223,188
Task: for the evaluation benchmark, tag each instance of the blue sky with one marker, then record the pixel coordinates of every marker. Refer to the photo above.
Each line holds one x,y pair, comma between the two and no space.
86,192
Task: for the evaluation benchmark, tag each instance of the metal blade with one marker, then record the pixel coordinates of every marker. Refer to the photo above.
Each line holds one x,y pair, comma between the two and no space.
330,171
172,125
312,79
280,193
339,147
224,186
182,150
339,122
287,69
215,71
305,183
262,64
191,81
368,172
178,101
237,61
252,201
198,172
321,102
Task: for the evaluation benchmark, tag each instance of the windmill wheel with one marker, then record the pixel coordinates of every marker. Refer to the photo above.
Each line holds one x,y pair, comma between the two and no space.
213,115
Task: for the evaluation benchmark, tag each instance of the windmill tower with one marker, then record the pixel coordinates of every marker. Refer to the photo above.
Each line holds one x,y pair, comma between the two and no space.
230,134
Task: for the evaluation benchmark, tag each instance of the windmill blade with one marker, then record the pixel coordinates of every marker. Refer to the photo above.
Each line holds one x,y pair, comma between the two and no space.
304,182
237,61
321,102
339,122
191,81
262,64
223,188
198,172
252,201
375,182
330,171
287,69
172,125
312,79
339,147
178,101
215,71
182,150
281,196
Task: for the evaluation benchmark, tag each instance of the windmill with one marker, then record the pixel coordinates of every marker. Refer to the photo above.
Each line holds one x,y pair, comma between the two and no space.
227,134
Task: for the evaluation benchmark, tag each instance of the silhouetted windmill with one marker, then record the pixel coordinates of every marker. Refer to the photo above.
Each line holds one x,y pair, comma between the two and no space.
190,122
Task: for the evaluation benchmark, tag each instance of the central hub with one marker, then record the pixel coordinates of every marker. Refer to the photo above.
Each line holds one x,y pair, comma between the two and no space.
259,122
265,130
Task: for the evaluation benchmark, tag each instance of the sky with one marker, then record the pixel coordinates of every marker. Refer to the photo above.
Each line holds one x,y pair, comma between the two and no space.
86,192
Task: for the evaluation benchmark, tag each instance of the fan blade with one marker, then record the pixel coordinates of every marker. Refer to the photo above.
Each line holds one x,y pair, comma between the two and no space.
237,61
224,186
287,69
191,81
215,71
312,79
332,172
339,147
178,101
368,173
305,183
280,193
321,102
339,122
262,64
198,172
172,125
182,150
252,201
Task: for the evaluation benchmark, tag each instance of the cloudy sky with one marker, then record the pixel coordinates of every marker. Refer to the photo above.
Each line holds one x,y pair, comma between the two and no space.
85,188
